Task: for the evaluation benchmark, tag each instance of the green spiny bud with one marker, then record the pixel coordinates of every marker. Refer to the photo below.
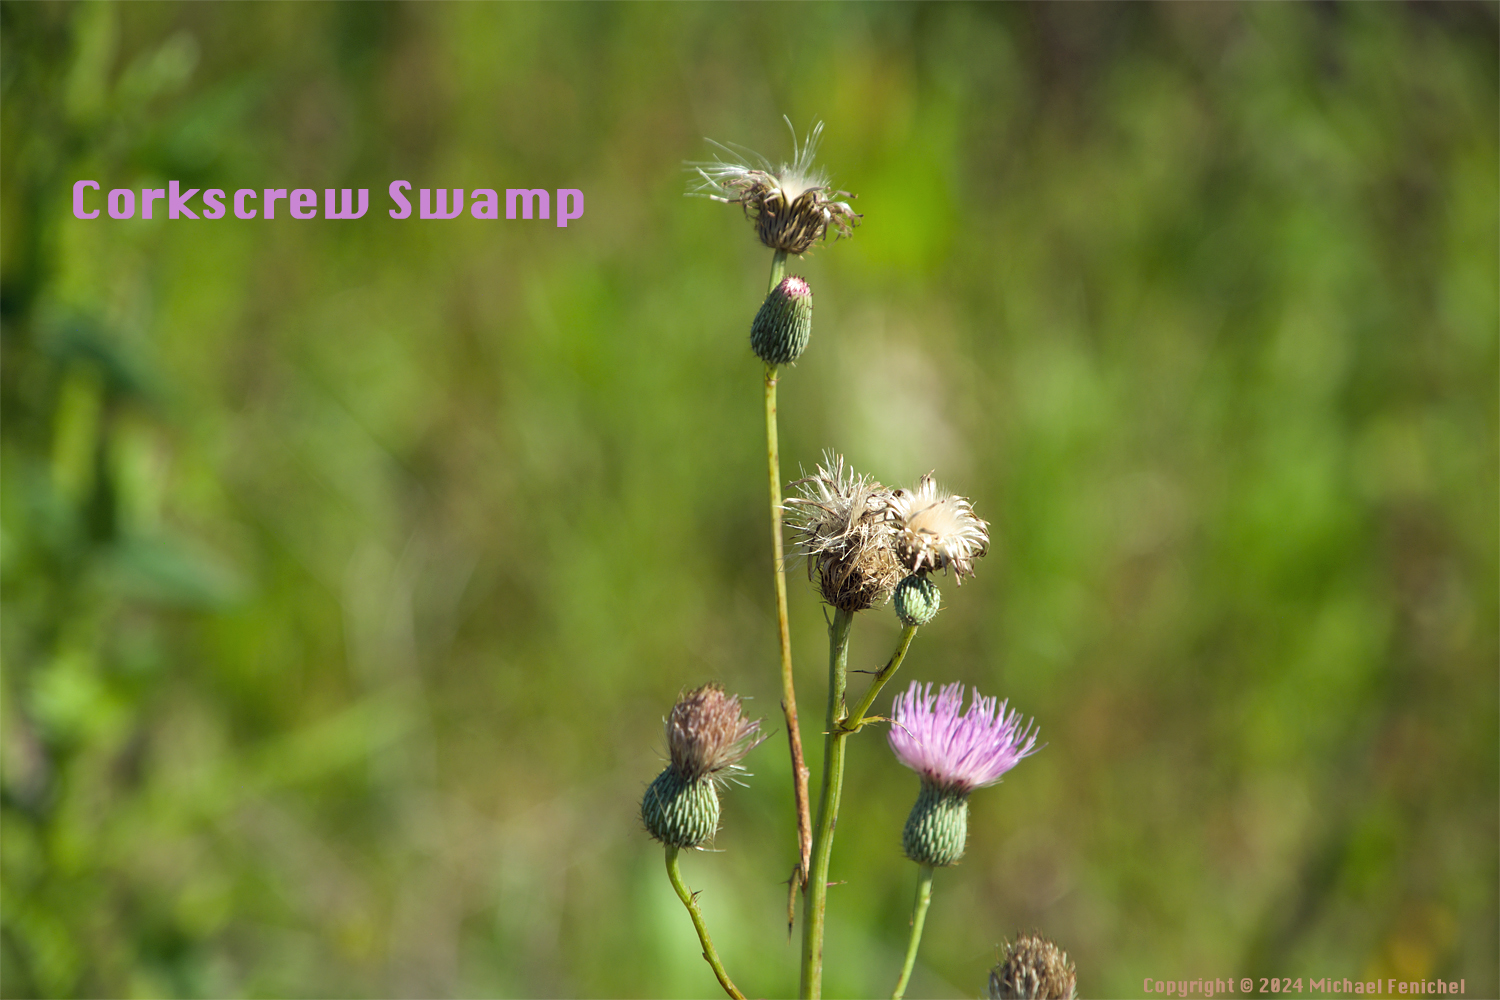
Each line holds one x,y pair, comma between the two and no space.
681,811
782,327
938,826
917,600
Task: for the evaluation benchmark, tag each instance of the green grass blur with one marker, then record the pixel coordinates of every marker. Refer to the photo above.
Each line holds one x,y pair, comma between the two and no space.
350,567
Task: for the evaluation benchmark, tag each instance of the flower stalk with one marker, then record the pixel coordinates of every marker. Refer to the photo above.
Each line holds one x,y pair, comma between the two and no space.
918,918
856,720
815,900
788,686
690,900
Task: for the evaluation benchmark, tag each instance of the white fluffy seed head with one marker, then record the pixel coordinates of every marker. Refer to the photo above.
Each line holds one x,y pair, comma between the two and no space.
792,205
935,529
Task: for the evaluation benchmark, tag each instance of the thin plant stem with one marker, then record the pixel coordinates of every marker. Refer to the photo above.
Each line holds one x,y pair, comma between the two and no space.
815,900
788,688
918,918
778,270
857,717
709,955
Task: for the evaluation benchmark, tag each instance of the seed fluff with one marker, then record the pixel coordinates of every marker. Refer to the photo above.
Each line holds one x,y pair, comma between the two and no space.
792,205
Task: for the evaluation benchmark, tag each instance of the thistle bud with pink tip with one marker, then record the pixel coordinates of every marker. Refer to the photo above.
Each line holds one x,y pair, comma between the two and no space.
783,326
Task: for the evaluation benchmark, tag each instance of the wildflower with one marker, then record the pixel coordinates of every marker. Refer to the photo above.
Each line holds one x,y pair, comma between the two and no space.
954,754
843,524
792,206
1034,969
936,530
783,326
707,738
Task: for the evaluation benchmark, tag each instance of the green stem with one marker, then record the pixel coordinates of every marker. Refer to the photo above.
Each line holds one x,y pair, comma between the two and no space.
788,688
816,899
918,918
857,717
778,270
709,955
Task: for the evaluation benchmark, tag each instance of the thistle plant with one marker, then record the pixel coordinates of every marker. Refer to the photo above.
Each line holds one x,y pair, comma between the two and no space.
954,753
866,545
792,206
707,738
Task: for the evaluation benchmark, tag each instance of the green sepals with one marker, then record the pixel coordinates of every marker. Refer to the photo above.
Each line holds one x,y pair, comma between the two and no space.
681,812
938,827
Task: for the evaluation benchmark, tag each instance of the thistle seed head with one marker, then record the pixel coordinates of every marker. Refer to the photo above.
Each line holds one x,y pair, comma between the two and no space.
783,326
792,205
1034,969
937,530
707,736
844,528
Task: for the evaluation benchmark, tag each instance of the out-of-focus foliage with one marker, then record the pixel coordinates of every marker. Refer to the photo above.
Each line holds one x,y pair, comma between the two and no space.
349,567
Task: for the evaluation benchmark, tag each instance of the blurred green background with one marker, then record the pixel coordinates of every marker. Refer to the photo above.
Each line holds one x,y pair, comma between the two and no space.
349,568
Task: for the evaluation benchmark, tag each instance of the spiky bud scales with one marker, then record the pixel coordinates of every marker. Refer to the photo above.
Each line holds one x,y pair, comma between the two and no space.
917,600
708,737
783,326
938,827
680,811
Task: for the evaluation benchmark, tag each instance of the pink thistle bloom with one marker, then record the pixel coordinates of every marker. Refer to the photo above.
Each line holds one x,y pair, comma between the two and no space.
958,753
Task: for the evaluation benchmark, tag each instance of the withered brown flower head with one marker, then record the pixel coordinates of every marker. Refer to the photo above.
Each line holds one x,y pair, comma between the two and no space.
844,528
706,734
936,530
792,206
1034,969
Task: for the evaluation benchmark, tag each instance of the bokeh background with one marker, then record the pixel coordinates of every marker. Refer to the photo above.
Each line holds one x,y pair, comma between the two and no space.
349,568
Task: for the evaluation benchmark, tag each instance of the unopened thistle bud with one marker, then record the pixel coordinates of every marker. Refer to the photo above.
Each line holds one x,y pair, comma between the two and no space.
954,754
1034,969
917,599
781,329
707,738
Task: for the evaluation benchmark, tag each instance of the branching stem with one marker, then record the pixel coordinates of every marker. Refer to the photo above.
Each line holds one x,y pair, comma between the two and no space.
816,898
856,718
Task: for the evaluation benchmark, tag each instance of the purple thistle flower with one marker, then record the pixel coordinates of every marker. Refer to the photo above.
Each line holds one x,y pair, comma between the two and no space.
958,753
954,754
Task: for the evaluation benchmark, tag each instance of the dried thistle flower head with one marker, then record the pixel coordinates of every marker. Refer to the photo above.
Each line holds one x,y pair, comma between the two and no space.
792,205
936,530
707,737
1034,969
844,528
